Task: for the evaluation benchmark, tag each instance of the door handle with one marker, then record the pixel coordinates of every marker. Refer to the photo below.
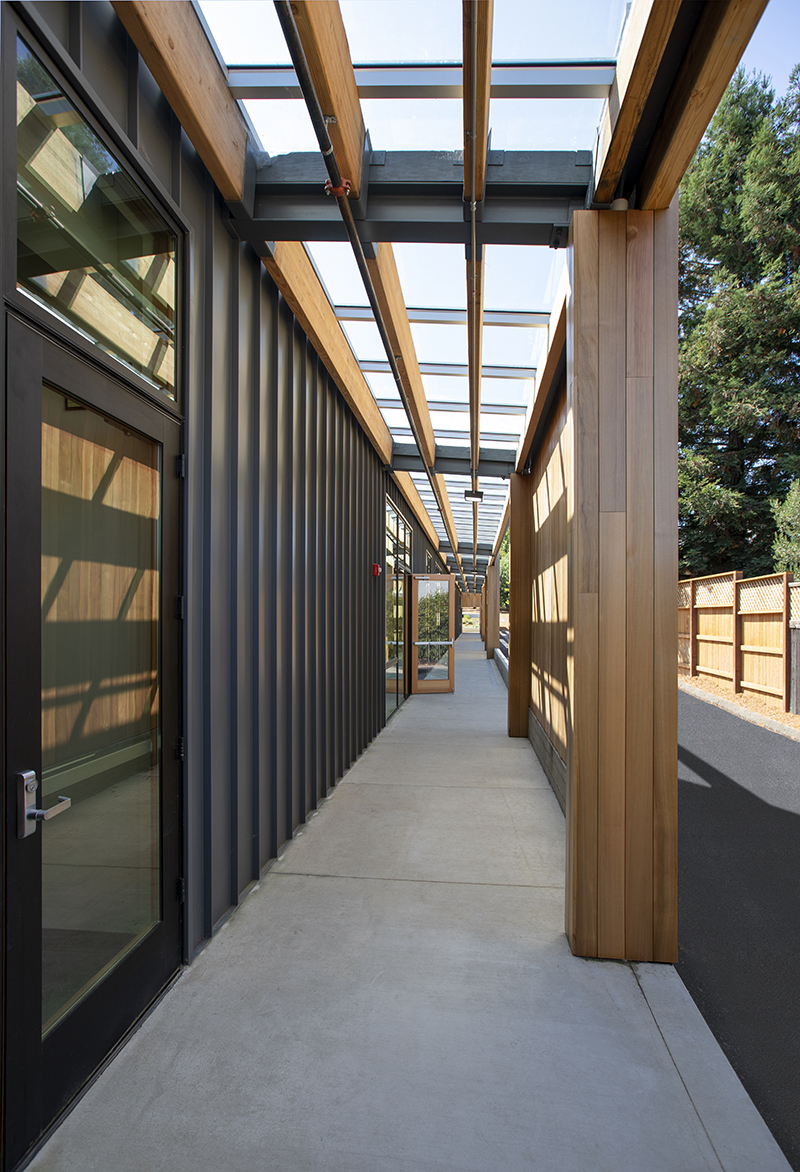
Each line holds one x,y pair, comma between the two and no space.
27,813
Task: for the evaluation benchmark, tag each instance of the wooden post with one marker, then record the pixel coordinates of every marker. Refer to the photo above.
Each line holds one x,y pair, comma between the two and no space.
483,614
736,666
492,604
787,650
692,631
520,606
622,619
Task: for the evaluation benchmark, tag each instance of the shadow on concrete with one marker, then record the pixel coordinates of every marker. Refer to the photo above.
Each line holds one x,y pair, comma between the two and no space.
739,906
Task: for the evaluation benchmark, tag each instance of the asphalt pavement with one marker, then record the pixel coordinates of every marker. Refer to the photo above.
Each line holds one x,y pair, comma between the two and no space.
739,851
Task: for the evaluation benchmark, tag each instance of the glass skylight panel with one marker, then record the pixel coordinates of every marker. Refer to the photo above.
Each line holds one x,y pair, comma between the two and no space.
573,29
403,30
433,275
336,265
246,33
382,386
544,124
365,340
447,387
504,390
519,277
282,124
436,343
507,347
414,124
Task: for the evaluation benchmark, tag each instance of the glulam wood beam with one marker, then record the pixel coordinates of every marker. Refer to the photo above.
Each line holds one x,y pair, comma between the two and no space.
409,490
547,374
386,281
322,33
643,45
721,37
475,355
478,66
173,45
293,273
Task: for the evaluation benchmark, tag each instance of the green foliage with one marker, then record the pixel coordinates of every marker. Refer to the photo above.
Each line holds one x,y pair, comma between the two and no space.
503,563
786,545
739,366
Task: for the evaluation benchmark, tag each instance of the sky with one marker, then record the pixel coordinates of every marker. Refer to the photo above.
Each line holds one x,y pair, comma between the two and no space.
774,48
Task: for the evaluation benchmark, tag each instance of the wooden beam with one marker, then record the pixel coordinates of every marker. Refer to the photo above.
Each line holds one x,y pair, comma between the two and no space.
293,273
501,530
722,35
321,30
383,271
475,355
520,606
409,490
646,36
483,12
174,47
546,375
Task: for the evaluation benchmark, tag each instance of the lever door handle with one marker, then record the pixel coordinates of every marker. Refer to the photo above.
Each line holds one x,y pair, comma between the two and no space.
27,812
46,815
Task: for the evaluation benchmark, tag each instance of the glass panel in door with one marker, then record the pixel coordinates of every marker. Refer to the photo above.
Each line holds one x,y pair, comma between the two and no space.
101,745
433,630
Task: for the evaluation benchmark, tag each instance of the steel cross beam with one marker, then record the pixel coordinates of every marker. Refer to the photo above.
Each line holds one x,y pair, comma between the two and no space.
518,79
417,196
526,319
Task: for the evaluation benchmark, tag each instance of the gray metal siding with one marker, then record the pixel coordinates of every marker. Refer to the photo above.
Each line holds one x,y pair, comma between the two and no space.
284,516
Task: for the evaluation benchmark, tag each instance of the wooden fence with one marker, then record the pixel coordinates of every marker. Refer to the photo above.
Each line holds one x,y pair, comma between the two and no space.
737,629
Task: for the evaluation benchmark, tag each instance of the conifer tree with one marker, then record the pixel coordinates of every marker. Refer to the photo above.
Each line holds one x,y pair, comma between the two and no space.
739,358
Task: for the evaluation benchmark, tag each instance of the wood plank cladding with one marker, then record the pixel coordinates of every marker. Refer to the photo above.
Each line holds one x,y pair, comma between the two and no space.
293,273
619,430
551,474
321,31
175,48
519,616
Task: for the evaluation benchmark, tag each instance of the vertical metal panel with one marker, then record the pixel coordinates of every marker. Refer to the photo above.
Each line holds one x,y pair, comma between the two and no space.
298,578
283,597
284,516
311,634
220,682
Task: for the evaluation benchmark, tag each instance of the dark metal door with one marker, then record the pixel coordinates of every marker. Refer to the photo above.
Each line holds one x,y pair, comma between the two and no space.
92,707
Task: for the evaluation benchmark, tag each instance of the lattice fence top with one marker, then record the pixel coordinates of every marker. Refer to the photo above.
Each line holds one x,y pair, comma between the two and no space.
716,591
794,602
685,594
761,594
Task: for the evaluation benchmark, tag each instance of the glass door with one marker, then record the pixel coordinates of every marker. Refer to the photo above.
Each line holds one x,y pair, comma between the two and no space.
92,705
432,632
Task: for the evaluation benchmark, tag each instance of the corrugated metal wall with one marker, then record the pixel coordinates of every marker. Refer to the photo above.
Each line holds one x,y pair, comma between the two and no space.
284,516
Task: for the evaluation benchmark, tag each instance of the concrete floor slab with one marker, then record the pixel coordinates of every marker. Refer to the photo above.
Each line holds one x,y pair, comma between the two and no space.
397,995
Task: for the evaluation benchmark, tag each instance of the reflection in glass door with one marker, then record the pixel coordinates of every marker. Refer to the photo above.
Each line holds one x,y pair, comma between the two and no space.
433,628
398,564
101,514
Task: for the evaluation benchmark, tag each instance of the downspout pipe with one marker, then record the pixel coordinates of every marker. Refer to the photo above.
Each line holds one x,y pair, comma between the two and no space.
338,189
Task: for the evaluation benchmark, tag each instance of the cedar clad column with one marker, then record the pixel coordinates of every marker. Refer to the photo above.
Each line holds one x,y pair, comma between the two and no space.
622,338
520,613
492,621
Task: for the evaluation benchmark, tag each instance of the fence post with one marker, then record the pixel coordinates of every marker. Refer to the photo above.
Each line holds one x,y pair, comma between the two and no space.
787,646
737,634
692,631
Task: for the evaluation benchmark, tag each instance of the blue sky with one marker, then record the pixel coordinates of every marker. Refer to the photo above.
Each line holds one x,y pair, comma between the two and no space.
775,46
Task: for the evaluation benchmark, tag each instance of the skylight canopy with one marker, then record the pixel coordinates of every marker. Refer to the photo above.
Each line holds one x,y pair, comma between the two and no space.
435,276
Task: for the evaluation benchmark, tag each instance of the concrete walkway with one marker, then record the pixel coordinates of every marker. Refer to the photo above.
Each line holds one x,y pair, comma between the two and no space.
398,996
